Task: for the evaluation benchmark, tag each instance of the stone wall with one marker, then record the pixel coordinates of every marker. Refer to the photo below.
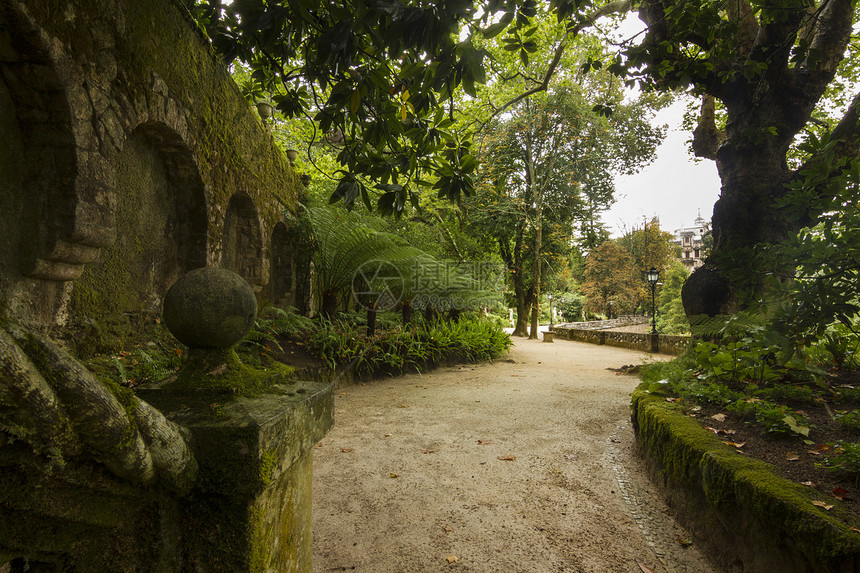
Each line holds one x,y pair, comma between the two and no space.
129,157
662,343
626,320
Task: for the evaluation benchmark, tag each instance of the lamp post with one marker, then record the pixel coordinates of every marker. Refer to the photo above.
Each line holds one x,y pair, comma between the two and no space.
653,277
550,310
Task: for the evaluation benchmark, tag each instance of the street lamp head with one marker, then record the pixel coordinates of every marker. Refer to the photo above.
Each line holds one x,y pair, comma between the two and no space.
653,276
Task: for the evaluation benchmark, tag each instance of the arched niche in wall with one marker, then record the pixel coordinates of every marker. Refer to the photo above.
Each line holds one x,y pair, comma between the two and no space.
243,242
161,224
282,275
37,159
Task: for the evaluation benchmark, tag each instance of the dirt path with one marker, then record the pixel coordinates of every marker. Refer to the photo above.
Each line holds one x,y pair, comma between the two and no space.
523,465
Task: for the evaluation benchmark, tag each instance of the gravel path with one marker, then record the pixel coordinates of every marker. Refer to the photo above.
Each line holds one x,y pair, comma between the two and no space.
523,465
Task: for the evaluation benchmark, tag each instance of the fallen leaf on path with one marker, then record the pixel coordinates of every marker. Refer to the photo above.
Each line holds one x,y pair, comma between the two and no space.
720,431
452,559
507,458
684,542
387,435
347,450
811,484
428,451
719,417
791,456
822,504
319,445
615,440
403,406
448,528
667,399
570,456
813,452
393,475
855,530
735,444
485,442
840,493
823,448
644,568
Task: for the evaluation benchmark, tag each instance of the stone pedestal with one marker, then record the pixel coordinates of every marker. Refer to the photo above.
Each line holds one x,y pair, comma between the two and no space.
548,336
251,507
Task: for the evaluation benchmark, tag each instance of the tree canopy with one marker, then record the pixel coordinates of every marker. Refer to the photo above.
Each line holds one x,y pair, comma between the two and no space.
380,79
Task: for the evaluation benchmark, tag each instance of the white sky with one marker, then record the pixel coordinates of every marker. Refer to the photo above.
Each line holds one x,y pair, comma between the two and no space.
674,187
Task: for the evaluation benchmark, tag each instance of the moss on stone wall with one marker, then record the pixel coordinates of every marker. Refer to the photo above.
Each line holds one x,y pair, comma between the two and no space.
766,520
144,61
120,65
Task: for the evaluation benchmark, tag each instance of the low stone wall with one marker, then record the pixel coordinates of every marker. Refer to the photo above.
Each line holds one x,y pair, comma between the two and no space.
736,508
662,343
626,320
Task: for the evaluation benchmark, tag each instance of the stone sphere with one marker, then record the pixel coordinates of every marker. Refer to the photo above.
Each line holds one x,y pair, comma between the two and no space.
210,308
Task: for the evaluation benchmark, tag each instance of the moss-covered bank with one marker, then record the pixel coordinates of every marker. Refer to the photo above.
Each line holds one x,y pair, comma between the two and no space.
738,509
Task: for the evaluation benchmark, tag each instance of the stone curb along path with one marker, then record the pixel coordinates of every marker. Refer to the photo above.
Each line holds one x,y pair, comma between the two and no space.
523,465
752,519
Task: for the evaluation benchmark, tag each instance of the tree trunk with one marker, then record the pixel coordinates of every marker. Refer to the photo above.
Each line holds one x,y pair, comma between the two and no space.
521,329
371,320
329,304
406,311
537,265
536,192
753,176
514,263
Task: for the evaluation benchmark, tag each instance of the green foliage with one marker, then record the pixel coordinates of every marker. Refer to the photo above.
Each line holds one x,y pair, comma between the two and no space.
772,417
786,393
262,345
570,305
412,348
682,377
611,275
849,420
845,458
361,70
738,362
649,246
547,165
671,318
154,355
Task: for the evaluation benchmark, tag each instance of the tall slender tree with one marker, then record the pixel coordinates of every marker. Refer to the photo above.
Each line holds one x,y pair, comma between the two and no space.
546,165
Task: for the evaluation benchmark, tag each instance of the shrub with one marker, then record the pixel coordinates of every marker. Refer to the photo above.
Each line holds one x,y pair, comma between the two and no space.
412,348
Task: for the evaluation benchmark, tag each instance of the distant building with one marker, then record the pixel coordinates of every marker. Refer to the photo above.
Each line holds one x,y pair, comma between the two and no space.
690,240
